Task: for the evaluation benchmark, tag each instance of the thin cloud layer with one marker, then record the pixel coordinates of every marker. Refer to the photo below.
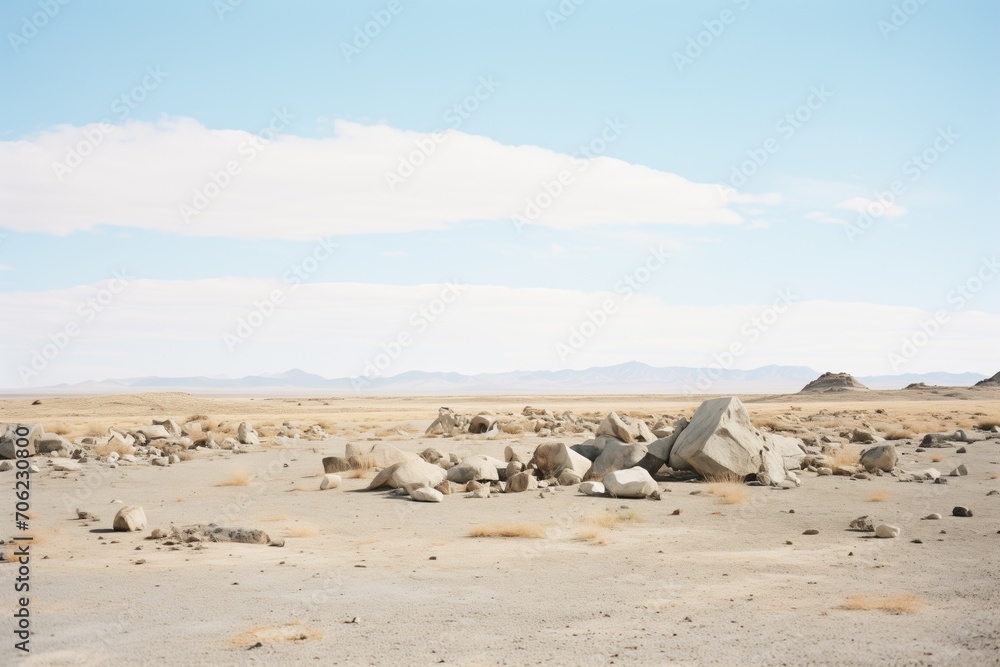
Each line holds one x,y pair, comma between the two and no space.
178,176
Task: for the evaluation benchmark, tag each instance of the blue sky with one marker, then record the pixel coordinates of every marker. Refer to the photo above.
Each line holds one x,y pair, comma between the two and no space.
889,89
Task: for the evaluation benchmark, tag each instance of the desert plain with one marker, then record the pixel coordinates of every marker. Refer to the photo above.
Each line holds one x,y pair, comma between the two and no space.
711,573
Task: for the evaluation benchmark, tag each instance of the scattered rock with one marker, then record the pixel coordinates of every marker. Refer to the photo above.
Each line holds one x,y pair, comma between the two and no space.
157,533
409,473
522,481
246,435
933,516
960,471
863,523
882,457
66,465
130,518
630,483
426,494
552,458
592,489
961,450
216,533
478,467
885,531
329,481
160,461
961,510
811,531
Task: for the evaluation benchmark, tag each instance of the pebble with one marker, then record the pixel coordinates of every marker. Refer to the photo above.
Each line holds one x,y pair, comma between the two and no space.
960,471
961,510
994,492
960,450
675,512
329,481
160,461
932,516
824,472
940,480
917,541
157,533
811,531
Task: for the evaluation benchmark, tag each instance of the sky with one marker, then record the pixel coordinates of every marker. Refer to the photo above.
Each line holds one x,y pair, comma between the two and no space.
233,188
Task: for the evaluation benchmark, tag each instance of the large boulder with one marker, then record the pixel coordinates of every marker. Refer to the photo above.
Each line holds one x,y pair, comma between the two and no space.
616,455
475,468
552,458
172,428
409,474
789,449
8,441
447,423
720,441
882,457
630,483
658,451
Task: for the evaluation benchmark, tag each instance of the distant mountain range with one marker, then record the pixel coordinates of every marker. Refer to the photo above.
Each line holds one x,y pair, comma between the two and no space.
629,378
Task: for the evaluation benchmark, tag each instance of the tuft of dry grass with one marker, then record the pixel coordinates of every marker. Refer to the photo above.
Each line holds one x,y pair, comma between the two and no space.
275,517
937,458
59,428
900,434
896,604
595,535
266,634
513,428
845,455
878,496
359,474
238,478
729,493
120,447
530,530
612,519
995,475
185,455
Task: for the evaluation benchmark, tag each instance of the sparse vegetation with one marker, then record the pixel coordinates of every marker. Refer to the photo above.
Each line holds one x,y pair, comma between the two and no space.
238,478
878,496
529,530
845,455
900,434
611,519
595,535
302,531
937,458
266,634
897,604
988,424
120,447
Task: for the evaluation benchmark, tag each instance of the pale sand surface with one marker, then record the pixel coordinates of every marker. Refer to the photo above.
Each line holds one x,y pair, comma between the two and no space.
715,585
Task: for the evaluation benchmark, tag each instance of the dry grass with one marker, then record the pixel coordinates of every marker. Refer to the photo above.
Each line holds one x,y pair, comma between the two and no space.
238,478
120,447
359,474
988,424
937,458
612,519
513,428
267,634
530,530
896,604
185,455
900,434
995,475
275,517
729,493
59,428
878,496
302,531
595,535
845,455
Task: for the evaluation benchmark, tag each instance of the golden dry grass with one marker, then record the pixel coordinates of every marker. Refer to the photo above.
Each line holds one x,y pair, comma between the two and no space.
845,455
900,434
512,428
878,496
120,447
995,475
267,634
988,424
937,458
529,530
274,517
729,493
612,519
896,604
359,474
595,535
237,478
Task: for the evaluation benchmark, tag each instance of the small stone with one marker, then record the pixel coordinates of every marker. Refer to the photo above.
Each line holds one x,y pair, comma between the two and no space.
994,492
33,468
961,510
960,471
481,492
592,488
160,461
824,471
940,480
961,450
329,481
675,513
158,533
917,541
6,465
885,531
173,458
811,531
932,516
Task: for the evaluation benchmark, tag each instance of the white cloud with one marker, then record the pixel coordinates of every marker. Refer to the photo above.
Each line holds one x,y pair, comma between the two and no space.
872,207
4,267
176,328
139,174
826,218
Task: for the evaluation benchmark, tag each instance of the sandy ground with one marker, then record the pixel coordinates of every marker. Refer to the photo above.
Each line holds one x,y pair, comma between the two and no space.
371,579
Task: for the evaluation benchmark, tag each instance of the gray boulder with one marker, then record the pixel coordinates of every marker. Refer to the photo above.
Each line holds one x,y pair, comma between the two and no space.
8,441
721,441
630,483
882,457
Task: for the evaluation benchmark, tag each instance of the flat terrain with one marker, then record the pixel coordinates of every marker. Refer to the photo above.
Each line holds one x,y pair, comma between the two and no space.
368,578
